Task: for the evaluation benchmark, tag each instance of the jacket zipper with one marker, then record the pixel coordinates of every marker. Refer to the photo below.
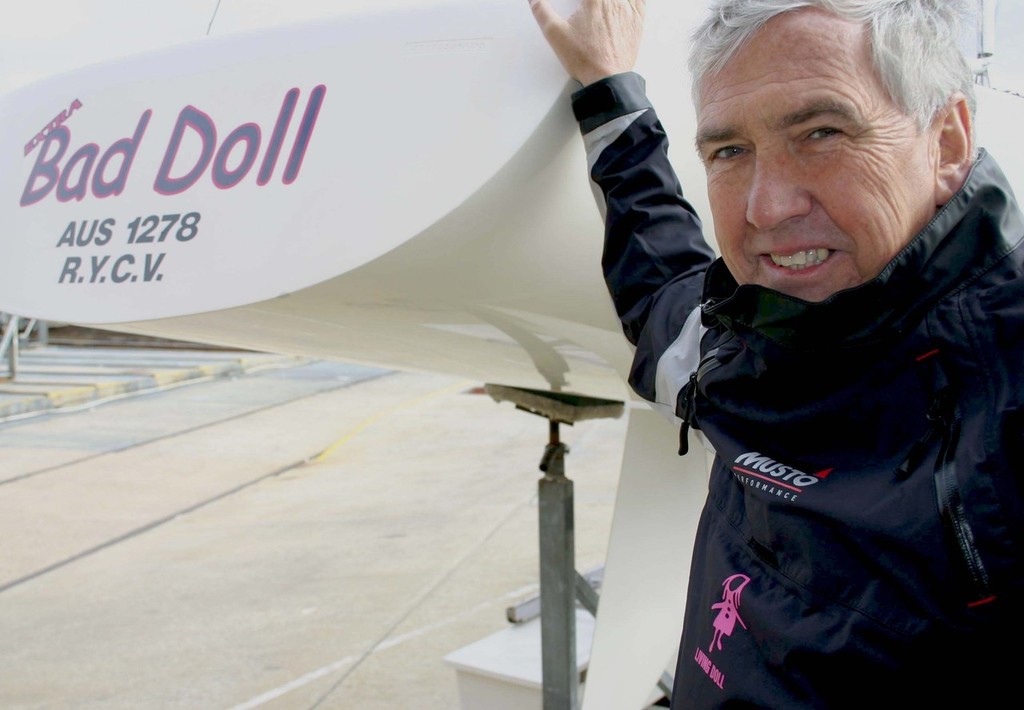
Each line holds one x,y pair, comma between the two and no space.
689,397
946,423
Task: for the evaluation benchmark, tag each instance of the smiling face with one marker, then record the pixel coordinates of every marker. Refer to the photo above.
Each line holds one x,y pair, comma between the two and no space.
816,178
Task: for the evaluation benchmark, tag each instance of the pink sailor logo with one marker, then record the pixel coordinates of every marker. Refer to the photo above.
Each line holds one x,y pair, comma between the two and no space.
725,624
728,609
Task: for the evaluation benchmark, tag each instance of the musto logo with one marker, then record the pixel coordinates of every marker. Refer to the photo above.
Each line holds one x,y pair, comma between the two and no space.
762,473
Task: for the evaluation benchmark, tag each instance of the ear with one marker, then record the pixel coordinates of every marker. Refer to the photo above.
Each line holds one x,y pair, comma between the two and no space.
955,142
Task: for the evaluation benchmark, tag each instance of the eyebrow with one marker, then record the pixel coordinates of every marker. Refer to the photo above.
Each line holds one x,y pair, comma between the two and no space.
715,135
815,109
808,112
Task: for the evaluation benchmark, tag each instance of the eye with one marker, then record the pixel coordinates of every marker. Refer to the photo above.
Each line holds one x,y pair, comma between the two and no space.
729,151
825,132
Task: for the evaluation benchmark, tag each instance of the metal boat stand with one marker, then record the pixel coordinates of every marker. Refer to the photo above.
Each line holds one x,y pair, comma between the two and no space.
560,583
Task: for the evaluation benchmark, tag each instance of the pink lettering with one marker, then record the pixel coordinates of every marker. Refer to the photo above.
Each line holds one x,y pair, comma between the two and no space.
228,161
710,669
244,141
71,180
46,168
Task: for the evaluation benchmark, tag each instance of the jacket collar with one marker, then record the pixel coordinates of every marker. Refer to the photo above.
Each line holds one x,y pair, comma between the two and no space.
977,227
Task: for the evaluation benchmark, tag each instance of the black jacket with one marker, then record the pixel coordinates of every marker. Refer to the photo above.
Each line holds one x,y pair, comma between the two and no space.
861,544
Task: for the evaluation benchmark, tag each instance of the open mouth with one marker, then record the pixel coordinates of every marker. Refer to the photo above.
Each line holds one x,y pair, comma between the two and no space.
801,259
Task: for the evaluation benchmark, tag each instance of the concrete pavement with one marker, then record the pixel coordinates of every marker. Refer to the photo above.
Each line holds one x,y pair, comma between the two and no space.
310,535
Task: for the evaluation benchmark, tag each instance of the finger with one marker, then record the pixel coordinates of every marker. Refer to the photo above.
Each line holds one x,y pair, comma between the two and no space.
552,25
543,12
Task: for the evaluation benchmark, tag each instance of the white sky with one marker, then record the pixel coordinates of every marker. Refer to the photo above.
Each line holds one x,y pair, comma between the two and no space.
43,37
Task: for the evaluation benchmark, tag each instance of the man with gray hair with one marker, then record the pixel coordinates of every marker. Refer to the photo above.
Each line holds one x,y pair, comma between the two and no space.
854,357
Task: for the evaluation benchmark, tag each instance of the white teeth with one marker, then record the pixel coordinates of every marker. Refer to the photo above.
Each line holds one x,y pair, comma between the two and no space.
802,259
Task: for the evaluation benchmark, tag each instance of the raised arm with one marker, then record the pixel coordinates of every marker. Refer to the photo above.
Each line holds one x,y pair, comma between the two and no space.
655,255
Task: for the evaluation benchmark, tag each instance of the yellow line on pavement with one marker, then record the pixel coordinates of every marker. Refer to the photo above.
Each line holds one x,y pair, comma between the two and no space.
369,421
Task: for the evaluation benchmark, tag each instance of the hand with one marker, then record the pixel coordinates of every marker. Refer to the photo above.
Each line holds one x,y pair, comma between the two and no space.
600,39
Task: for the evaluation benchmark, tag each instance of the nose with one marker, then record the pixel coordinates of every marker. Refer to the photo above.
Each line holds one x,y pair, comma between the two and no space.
777,192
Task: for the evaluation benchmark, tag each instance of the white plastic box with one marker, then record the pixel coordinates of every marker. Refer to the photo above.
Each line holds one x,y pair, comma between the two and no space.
504,671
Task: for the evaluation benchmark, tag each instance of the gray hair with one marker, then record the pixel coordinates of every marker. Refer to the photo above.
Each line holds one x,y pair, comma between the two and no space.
914,45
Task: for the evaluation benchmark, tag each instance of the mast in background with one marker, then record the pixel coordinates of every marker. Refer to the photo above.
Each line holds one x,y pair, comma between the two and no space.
986,20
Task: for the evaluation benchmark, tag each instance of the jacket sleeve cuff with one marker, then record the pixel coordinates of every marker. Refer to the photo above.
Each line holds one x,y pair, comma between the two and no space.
608,99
